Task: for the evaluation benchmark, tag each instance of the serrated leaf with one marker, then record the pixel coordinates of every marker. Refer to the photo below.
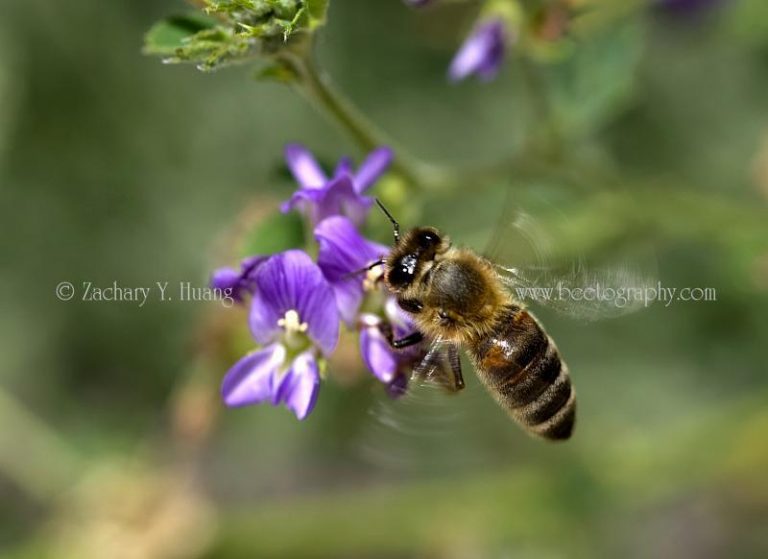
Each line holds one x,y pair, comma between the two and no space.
276,233
170,34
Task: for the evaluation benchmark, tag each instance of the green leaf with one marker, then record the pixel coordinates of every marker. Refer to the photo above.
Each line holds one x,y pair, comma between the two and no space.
274,234
242,30
170,34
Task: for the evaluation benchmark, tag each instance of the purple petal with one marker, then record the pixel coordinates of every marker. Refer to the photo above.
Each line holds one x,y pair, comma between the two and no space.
343,251
372,168
377,354
304,200
344,167
238,283
291,281
338,197
249,381
248,265
302,385
225,278
349,296
341,198
304,167
481,53
418,3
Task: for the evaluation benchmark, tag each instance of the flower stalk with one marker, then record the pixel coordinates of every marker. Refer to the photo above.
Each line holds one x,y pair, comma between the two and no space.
318,89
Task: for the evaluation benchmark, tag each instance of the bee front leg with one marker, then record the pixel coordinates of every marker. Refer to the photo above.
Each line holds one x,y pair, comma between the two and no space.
409,340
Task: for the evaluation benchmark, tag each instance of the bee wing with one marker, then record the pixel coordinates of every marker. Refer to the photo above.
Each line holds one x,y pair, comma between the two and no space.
418,431
441,366
546,254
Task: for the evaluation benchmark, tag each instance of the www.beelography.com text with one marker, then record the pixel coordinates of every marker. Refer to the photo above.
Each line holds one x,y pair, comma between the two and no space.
159,291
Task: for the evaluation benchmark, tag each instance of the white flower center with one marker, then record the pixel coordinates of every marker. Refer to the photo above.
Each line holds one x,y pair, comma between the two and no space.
291,323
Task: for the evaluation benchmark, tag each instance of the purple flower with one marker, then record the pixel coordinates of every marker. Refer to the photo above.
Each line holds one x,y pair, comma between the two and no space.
344,251
418,3
294,318
482,52
319,196
237,284
391,366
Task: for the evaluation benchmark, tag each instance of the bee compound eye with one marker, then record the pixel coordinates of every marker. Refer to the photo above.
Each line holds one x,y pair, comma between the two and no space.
402,272
428,239
413,306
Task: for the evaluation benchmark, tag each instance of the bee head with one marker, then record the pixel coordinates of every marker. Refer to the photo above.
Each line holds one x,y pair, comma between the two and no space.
412,256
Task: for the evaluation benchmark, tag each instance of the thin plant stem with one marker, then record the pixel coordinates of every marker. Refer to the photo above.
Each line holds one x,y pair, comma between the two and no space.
318,89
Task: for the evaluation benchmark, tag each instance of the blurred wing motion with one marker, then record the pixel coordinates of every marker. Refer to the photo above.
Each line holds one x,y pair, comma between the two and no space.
424,430
571,257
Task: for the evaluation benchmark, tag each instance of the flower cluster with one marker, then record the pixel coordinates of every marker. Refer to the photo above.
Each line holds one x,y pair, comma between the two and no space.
297,305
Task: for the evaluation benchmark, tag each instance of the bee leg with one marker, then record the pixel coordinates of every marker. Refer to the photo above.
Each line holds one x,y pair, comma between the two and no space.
409,340
455,363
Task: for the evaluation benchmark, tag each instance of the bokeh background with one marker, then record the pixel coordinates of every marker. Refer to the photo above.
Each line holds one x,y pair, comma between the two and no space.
114,167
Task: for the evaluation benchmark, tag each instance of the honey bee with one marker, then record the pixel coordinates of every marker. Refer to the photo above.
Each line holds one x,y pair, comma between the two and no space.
459,300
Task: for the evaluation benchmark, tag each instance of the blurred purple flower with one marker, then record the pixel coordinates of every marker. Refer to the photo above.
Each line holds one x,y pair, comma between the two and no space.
482,52
344,251
418,3
686,7
294,318
319,196
237,282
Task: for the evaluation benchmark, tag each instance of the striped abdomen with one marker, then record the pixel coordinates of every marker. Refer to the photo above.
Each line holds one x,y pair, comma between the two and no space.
521,367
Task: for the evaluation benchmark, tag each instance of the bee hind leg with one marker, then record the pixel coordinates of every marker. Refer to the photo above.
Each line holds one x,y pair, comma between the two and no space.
454,361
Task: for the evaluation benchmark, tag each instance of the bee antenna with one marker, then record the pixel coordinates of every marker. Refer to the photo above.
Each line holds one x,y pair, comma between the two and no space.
395,224
371,266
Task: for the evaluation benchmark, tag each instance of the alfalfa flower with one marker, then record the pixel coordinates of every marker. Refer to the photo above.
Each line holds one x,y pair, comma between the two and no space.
352,265
482,52
294,320
320,196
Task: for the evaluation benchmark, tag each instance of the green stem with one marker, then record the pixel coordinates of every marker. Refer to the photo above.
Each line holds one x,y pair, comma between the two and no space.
319,90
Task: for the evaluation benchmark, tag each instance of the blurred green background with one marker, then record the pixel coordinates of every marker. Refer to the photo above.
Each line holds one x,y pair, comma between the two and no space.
117,168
